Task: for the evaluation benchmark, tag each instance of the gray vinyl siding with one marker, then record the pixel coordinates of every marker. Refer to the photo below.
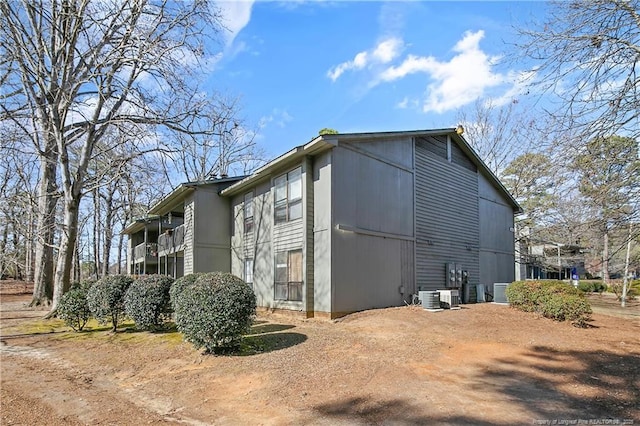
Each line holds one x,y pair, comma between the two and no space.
496,235
372,232
322,217
188,234
288,235
237,235
256,244
447,227
266,239
308,248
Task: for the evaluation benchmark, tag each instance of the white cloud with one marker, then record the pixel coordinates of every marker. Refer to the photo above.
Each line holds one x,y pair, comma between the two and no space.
383,53
406,103
456,82
277,116
235,16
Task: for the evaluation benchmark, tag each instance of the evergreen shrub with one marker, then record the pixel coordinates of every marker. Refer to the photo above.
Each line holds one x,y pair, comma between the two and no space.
73,308
553,299
147,302
215,311
106,298
179,285
595,286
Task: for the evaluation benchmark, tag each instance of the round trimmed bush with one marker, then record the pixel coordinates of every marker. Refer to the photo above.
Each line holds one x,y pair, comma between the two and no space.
215,311
179,285
106,298
147,301
73,308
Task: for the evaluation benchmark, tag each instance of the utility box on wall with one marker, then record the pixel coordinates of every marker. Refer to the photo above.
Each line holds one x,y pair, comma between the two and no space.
456,276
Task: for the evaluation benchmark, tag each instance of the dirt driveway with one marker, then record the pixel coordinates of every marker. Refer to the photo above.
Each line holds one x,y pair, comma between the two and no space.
485,364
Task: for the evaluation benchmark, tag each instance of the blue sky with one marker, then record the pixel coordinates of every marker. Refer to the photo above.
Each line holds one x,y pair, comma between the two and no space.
299,66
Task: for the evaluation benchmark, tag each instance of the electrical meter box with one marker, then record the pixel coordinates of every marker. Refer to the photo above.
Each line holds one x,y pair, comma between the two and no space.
455,275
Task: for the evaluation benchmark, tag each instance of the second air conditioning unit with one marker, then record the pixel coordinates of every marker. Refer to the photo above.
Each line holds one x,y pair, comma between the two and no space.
499,292
449,299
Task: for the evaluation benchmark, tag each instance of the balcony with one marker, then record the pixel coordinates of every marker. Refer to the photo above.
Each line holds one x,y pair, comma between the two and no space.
172,242
148,251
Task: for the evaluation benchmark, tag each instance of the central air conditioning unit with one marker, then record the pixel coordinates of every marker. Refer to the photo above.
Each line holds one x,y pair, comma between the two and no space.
430,300
449,299
499,292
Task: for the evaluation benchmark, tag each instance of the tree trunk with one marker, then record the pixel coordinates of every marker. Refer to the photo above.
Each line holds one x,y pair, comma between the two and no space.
29,248
96,232
43,265
3,245
605,258
18,267
65,253
120,245
108,232
625,282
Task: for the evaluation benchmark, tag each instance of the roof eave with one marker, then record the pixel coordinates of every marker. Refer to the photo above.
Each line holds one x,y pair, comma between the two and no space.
318,144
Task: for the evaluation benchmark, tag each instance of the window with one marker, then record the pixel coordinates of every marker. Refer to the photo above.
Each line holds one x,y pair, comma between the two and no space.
288,283
288,196
248,271
248,212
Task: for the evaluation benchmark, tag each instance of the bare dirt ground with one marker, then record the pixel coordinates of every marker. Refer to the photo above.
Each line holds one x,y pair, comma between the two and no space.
484,364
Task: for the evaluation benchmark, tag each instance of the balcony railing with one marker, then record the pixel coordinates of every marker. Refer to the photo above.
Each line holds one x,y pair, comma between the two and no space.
173,242
145,250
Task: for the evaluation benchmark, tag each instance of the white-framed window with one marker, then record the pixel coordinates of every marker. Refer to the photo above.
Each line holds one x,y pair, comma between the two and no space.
288,276
248,212
248,271
288,196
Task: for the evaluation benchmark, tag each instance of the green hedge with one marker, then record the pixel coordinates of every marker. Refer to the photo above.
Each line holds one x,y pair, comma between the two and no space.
106,298
147,301
215,311
592,286
553,299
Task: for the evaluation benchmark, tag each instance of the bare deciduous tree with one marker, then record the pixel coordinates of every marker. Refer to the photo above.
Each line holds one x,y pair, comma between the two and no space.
80,68
220,144
587,54
496,132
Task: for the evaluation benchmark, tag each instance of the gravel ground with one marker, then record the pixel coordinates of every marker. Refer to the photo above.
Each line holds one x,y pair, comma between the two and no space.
482,364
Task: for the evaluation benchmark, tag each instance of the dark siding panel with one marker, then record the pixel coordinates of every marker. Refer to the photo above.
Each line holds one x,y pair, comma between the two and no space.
458,157
447,227
434,144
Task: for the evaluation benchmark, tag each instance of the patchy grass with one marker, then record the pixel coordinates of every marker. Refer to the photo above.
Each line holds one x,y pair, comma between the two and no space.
36,326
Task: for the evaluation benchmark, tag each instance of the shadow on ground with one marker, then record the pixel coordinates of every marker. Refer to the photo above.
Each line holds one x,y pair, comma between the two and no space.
596,384
268,337
550,385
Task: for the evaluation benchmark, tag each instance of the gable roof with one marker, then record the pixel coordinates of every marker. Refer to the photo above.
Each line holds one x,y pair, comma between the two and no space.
325,142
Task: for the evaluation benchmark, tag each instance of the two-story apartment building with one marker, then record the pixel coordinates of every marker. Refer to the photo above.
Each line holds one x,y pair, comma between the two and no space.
188,231
349,222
